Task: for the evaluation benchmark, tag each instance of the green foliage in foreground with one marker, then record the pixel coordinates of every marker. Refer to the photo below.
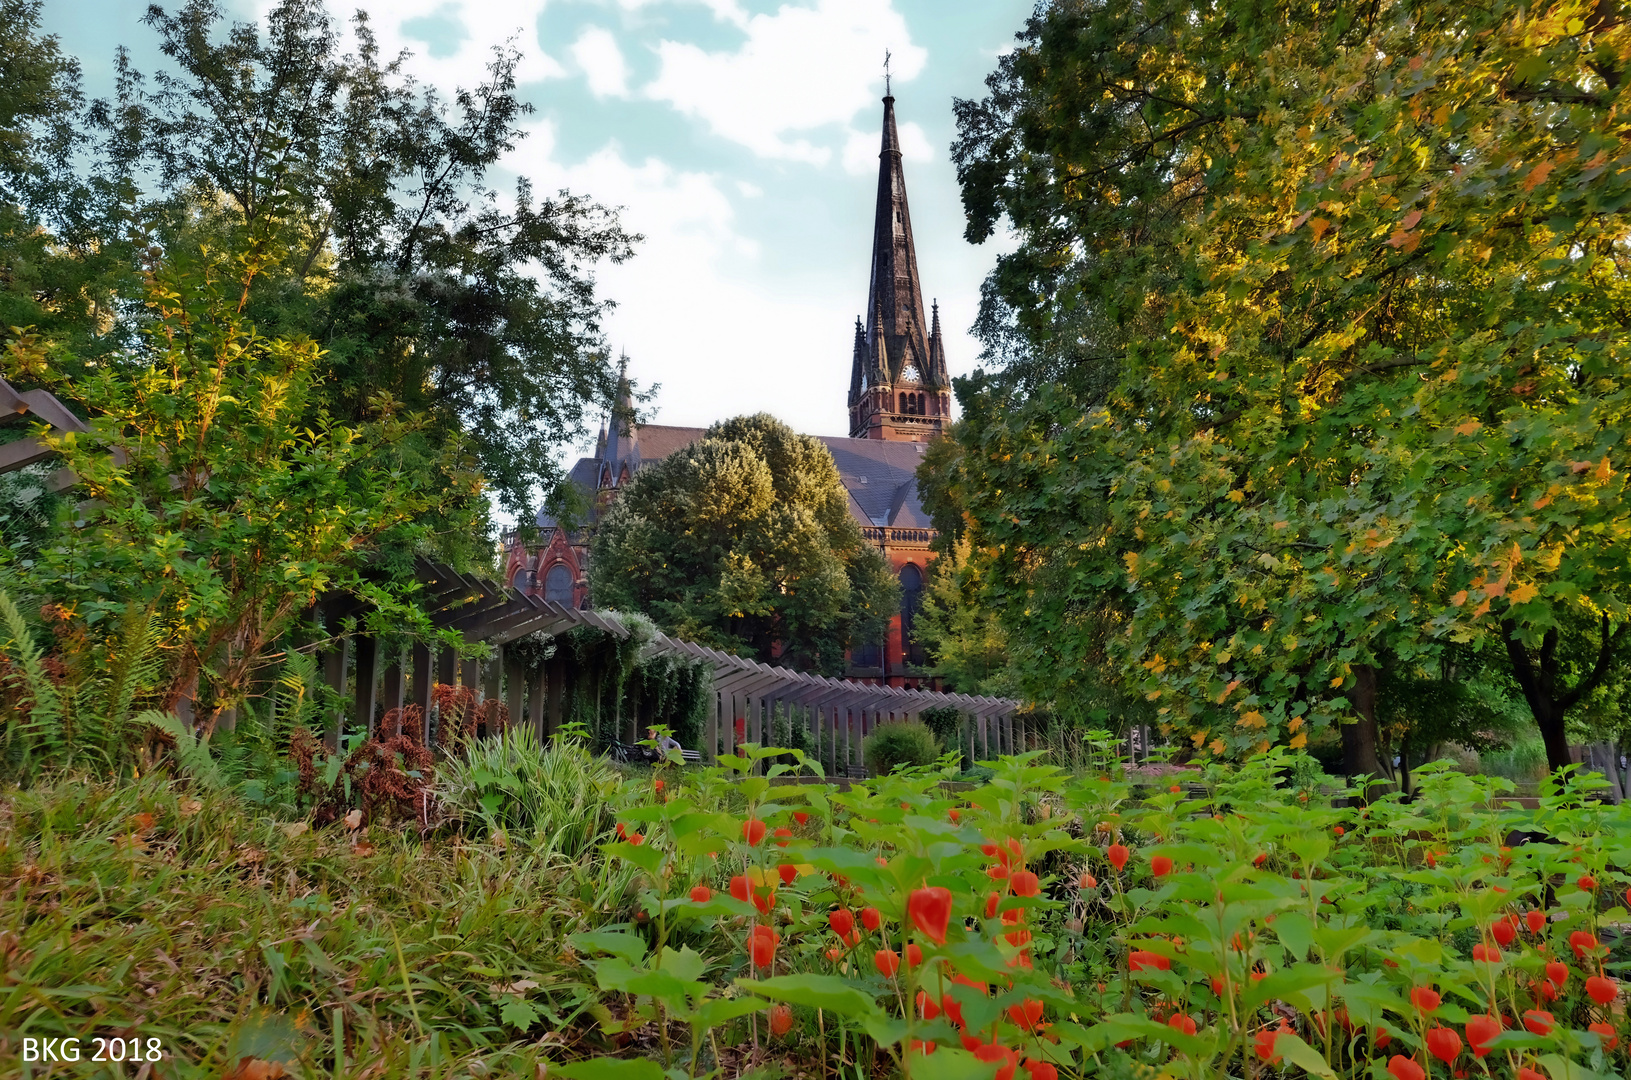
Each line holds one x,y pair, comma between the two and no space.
164,911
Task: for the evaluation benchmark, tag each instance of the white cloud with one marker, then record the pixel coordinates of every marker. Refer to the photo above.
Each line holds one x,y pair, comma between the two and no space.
596,52
862,147
801,69
749,190
695,314
914,144
724,10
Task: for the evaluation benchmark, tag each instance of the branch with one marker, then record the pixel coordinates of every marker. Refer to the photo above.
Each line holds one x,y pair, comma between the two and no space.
1599,671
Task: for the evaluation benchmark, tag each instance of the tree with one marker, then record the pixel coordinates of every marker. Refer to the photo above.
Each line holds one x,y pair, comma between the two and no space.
368,198
62,280
964,640
744,540
1340,300
220,501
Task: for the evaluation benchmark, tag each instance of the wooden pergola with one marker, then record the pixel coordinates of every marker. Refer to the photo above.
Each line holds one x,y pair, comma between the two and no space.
838,713
747,694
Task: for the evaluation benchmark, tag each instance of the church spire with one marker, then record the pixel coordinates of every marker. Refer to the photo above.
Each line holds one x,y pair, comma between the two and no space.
899,385
937,375
623,441
895,291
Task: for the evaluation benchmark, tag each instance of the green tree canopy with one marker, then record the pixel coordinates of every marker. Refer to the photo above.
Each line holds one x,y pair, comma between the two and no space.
368,199
219,504
744,540
64,280
1317,328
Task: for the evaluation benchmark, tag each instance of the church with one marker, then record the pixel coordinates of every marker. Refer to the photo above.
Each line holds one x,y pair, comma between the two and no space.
899,400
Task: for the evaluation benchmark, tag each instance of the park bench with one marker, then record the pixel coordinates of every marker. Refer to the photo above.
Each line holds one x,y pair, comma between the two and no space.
629,753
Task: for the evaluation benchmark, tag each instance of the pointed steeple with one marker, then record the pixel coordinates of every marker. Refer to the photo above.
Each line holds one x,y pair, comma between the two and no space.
899,385
623,442
878,373
895,291
859,363
937,374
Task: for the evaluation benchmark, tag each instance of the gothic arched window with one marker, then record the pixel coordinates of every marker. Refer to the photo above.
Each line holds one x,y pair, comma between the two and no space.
558,584
911,600
905,402
920,409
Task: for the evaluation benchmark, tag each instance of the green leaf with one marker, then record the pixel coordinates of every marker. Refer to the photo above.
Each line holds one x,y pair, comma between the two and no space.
609,1069
616,975
716,1011
1296,933
685,964
954,1063
1296,1052
518,1013
1294,982
1561,1068
630,947
644,856
827,992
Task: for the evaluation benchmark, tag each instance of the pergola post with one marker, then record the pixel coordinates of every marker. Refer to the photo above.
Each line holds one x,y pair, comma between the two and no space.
514,679
423,687
535,702
549,714
492,672
710,730
390,690
367,693
335,661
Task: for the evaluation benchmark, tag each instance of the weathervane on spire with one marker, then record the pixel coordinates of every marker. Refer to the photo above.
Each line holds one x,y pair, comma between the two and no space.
886,73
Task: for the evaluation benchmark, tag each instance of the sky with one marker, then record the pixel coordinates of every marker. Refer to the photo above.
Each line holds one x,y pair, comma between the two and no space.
740,138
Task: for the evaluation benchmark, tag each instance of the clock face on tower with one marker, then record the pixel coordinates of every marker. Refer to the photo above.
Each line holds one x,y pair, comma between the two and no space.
910,374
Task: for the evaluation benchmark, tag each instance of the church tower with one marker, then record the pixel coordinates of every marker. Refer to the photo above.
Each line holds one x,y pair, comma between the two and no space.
899,389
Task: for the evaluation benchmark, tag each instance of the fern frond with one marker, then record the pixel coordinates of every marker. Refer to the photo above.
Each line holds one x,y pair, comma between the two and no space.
192,753
133,668
296,700
44,732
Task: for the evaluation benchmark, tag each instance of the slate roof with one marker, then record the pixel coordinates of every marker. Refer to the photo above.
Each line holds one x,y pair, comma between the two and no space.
880,476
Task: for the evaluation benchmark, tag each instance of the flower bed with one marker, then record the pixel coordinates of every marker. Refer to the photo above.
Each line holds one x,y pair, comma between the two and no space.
1042,926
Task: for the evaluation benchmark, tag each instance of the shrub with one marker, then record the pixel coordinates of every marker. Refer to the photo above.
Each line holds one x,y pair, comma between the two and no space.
945,721
905,743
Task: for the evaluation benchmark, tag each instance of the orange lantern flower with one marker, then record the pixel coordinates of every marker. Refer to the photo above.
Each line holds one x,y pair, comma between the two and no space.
930,911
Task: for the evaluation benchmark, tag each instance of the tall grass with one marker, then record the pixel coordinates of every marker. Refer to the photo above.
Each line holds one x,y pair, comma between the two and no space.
556,800
167,911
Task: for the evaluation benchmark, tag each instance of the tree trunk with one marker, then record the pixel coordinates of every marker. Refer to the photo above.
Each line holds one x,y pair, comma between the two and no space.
1553,733
1538,676
1359,739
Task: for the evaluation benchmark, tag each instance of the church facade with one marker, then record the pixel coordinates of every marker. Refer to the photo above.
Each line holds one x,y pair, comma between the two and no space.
899,400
